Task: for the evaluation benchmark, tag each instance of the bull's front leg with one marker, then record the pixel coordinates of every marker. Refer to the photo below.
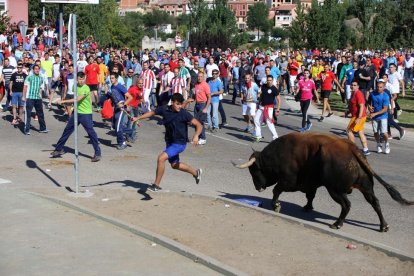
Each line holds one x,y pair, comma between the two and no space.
277,190
310,195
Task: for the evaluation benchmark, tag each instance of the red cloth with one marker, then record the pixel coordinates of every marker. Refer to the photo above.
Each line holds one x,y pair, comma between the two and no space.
356,99
293,68
266,114
249,84
173,64
223,70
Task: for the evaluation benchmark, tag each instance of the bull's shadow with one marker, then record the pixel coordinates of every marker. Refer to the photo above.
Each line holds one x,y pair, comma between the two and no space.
295,210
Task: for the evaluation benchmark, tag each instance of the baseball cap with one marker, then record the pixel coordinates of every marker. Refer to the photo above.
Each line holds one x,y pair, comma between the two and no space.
380,80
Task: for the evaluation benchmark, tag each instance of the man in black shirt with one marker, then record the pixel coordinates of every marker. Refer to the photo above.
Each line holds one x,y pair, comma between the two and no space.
362,77
175,118
268,95
16,93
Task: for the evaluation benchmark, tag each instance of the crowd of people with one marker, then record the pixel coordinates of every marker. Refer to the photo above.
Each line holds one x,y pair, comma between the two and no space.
35,73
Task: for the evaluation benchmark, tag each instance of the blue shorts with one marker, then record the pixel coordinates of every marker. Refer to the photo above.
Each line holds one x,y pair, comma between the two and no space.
17,99
173,151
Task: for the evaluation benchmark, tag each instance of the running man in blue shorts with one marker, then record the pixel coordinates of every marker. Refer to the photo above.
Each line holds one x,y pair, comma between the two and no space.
175,118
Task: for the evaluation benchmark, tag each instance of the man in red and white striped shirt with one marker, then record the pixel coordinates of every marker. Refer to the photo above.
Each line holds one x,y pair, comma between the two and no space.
177,84
150,84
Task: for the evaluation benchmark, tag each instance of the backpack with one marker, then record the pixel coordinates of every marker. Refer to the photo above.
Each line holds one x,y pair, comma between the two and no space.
107,112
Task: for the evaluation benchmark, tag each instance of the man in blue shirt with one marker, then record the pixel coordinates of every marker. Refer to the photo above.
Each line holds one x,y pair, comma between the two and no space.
175,118
378,106
348,78
216,88
235,78
117,94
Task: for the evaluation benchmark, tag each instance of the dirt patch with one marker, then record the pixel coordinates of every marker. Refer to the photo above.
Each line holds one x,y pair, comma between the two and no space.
124,158
251,241
58,163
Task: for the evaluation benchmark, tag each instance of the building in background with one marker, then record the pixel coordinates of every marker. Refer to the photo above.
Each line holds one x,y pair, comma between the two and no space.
18,10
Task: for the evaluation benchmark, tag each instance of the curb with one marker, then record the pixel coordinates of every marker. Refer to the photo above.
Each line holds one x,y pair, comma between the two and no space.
172,245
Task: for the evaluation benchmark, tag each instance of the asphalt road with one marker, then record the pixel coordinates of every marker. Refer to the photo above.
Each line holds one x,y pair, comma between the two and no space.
26,162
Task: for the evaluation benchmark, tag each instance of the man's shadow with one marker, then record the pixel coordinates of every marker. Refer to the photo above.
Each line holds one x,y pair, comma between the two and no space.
141,187
295,210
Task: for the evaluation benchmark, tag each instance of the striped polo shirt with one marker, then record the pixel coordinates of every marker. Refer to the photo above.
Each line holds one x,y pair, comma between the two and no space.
34,82
7,73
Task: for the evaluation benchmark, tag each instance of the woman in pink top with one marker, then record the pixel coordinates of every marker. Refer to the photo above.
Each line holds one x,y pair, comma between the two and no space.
307,88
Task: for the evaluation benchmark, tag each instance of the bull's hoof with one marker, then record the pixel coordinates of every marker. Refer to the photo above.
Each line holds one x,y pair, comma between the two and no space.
384,228
277,208
335,226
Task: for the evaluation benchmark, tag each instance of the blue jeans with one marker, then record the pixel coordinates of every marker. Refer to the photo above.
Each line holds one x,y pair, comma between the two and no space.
225,81
201,117
134,112
119,122
86,121
236,90
213,121
38,105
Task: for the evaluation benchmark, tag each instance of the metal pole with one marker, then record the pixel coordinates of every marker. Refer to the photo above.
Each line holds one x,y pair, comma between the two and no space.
75,111
61,29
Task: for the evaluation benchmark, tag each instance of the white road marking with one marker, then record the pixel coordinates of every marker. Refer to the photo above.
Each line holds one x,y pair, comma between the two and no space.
4,181
227,139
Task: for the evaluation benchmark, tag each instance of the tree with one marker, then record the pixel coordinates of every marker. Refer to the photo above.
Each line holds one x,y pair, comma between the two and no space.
4,22
298,30
257,18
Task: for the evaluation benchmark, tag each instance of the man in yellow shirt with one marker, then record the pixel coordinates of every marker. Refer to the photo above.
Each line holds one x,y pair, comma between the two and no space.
47,66
316,69
102,76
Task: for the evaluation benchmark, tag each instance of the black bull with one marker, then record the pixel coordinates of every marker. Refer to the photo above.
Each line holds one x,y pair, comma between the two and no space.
305,162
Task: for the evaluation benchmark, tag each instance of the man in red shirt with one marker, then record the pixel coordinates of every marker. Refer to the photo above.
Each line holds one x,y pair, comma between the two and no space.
359,115
133,98
327,77
92,72
377,61
202,98
293,72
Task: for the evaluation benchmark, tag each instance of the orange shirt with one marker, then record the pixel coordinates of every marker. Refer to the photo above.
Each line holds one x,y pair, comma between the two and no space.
201,91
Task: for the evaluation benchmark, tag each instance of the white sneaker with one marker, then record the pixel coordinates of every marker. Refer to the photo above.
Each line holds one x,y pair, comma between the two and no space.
379,149
387,148
202,141
399,112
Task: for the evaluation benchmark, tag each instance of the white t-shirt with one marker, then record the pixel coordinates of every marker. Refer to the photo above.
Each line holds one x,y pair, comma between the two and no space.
81,65
394,81
210,68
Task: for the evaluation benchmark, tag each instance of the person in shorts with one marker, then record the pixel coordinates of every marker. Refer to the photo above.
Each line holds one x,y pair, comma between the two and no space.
357,110
175,118
327,77
16,91
378,102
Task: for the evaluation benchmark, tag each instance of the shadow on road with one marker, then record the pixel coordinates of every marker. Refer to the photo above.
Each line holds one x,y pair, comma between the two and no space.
33,165
294,210
141,187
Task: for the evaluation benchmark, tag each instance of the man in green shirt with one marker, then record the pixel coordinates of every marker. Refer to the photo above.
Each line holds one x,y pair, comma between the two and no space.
84,118
32,95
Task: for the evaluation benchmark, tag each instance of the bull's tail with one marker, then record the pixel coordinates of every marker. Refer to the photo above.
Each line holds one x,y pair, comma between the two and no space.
390,188
393,191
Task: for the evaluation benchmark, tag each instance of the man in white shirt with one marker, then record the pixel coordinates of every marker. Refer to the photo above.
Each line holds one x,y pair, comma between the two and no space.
210,67
396,81
408,70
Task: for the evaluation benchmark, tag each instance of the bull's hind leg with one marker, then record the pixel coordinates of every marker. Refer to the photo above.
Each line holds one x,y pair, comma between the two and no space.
342,200
310,195
372,199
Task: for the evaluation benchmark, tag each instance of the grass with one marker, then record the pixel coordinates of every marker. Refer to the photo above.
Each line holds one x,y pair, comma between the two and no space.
407,105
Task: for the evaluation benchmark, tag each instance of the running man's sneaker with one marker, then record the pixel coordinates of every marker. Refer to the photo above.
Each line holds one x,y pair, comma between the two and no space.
198,177
122,146
387,148
202,141
379,148
258,139
402,134
366,152
57,153
330,114
303,130
27,133
308,126
395,120
44,131
321,119
96,158
154,188
399,112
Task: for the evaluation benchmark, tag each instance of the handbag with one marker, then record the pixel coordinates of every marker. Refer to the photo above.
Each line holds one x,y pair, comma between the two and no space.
298,96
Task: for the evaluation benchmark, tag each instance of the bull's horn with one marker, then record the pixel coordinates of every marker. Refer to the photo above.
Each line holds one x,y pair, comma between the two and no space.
245,165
